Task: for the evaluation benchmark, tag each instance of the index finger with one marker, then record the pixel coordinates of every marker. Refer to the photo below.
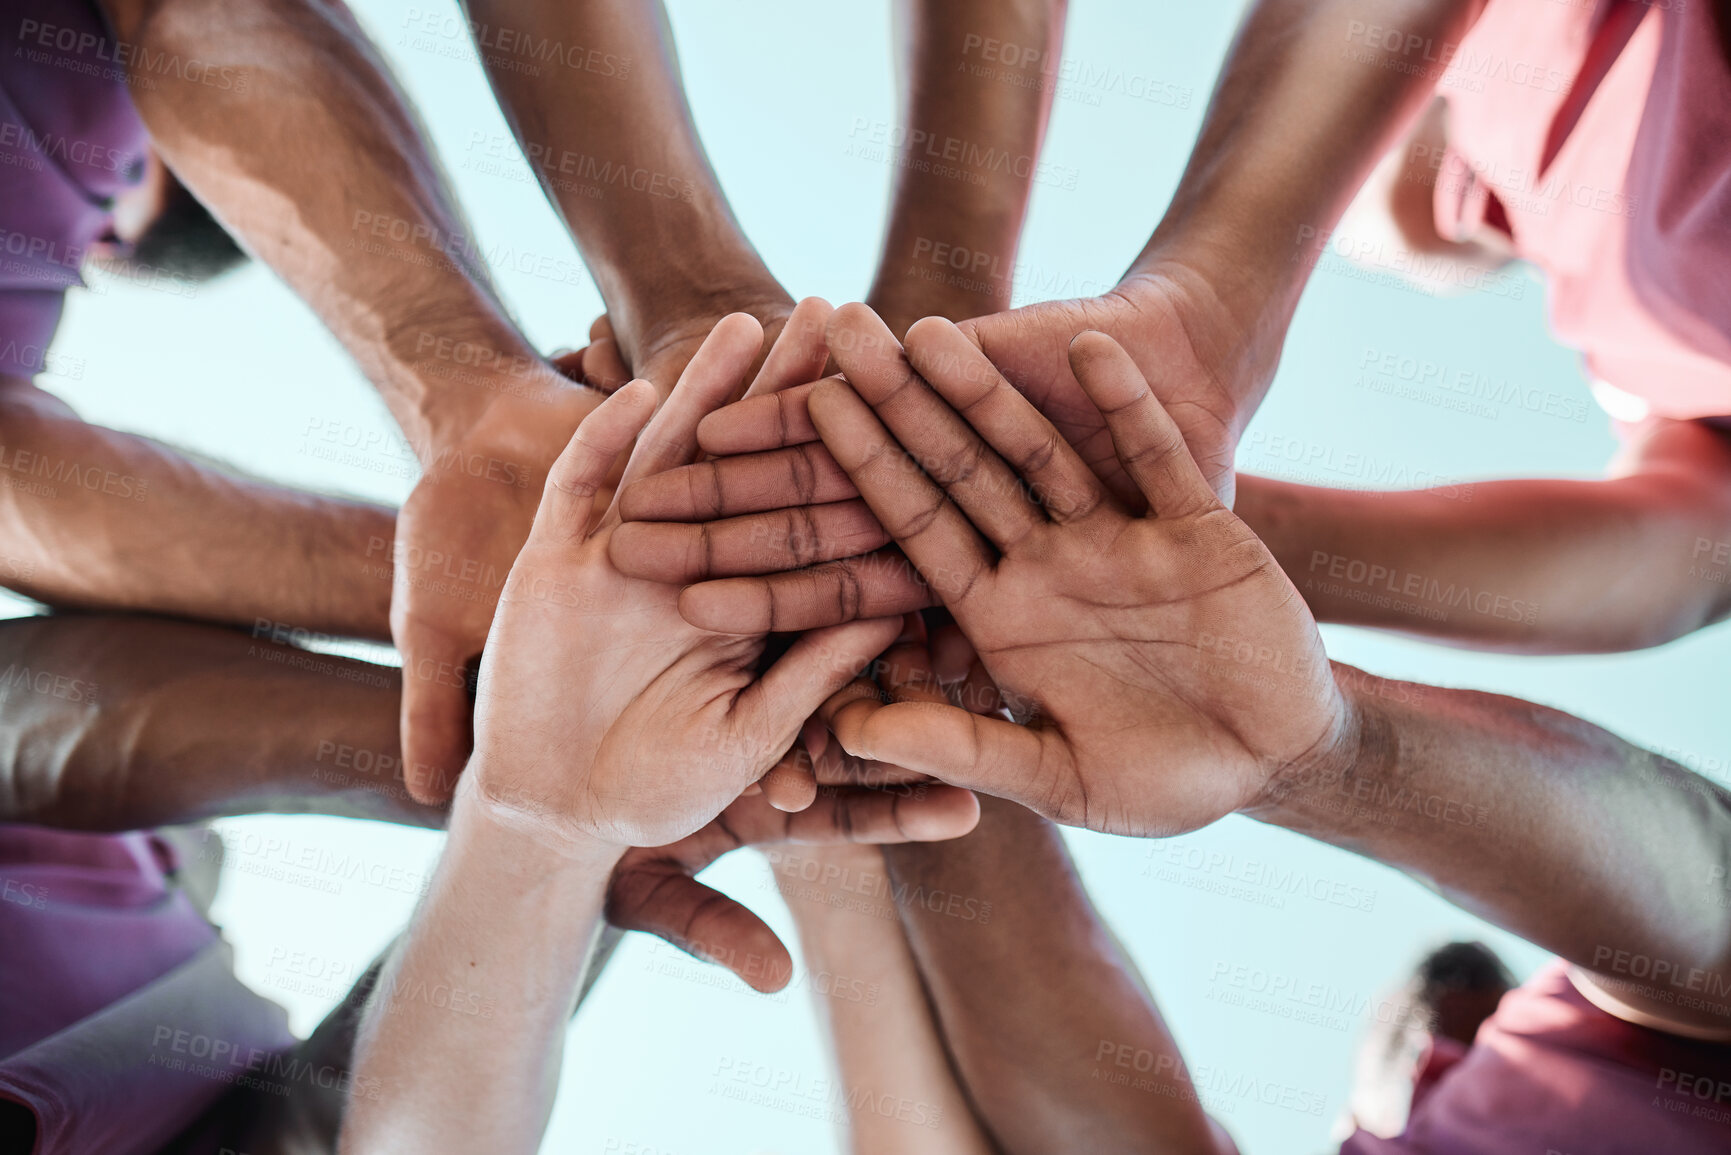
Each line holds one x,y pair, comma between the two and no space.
753,424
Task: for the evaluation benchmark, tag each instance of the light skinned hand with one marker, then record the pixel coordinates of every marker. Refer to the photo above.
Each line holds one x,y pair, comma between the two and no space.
1163,663
603,717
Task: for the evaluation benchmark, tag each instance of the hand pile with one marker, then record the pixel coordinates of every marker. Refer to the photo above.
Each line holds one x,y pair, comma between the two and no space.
1139,667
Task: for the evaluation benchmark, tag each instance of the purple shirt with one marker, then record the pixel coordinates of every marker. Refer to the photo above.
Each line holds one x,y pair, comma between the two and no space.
70,140
121,1021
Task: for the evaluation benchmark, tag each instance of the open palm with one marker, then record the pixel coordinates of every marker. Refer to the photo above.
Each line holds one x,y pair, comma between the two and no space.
602,713
1163,664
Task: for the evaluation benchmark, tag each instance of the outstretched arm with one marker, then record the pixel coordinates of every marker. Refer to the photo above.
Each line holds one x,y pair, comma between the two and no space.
1043,1014
887,1050
1542,566
98,519
122,723
976,83
294,133
1311,96
605,125
676,723
1610,856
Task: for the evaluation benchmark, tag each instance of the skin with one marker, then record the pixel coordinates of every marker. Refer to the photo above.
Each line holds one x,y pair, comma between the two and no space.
1294,128
669,258
1539,822
1581,833
887,1052
98,519
941,102
1569,826
676,723
1579,566
376,246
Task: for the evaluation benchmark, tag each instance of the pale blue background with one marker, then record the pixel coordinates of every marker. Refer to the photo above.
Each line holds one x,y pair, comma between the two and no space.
243,370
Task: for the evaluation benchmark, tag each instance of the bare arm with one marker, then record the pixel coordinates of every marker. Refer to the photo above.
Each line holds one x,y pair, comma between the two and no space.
298,138
862,978
118,723
97,519
311,156
606,127
1047,1076
955,224
1544,824
1539,566
509,923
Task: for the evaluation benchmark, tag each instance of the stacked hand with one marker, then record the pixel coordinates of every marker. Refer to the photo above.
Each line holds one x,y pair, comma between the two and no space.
1164,667
605,721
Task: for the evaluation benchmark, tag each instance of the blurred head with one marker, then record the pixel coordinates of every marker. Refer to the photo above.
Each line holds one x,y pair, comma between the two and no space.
1450,993
160,228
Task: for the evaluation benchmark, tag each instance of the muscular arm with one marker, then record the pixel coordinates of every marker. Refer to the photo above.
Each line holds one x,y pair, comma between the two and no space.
950,244
1538,566
509,923
297,137
96,519
1612,857
1040,1000
1311,97
606,127
117,723
862,978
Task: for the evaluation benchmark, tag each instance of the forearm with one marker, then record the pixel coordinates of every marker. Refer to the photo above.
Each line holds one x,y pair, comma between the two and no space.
1061,1072
609,134
97,519
1541,823
1536,566
118,723
954,226
862,977
1311,96
505,929
296,136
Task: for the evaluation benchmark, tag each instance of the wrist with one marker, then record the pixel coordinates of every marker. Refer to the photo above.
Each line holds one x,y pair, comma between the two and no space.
498,813
1234,326
514,431
1319,794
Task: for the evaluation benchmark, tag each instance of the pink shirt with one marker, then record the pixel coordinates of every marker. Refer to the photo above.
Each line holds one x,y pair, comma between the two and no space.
1550,1072
1597,135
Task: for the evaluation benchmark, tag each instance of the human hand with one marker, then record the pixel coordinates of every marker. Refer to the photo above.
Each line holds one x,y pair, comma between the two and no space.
655,889
603,717
1195,356
456,537
1165,665
776,503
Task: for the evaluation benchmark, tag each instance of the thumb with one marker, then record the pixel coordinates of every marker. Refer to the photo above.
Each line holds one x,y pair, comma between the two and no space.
438,713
